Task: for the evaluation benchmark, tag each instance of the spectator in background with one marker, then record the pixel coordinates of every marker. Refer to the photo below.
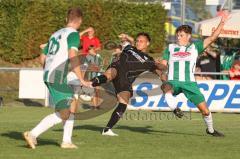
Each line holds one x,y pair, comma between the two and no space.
94,63
226,62
90,47
89,41
234,72
207,63
91,58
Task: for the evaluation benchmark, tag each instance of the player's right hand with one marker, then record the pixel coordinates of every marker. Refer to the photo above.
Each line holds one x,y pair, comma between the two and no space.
123,36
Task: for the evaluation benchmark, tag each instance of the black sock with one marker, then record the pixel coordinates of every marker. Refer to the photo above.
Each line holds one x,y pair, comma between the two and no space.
116,115
97,81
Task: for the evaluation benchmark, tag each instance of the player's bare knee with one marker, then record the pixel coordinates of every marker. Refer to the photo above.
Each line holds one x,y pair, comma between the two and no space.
203,108
205,112
123,97
122,100
109,77
64,114
166,87
111,73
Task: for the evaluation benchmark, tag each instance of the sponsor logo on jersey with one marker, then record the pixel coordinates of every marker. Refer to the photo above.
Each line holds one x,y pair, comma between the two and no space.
137,56
145,58
181,54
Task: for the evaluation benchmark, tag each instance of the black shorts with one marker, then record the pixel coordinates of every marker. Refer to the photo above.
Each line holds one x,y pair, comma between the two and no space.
121,82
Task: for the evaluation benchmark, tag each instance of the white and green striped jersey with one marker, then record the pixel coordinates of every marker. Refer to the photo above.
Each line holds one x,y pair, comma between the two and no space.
56,51
182,60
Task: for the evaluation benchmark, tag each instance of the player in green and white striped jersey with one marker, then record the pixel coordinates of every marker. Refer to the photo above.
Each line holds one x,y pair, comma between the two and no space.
181,61
61,49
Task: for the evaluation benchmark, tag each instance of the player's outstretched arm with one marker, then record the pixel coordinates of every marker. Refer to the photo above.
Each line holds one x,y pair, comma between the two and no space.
44,48
161,69
125,37
75,64
42,59
216,33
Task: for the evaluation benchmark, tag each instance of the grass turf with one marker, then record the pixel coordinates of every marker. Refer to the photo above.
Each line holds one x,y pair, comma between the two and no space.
166,138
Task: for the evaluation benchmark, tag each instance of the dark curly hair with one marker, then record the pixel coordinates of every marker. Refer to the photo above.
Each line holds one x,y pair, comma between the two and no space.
184,28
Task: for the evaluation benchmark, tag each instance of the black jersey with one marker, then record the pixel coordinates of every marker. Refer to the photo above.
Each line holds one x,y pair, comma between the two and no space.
131,63
135,62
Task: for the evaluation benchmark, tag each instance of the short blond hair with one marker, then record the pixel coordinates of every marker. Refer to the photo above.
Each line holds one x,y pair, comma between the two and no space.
74,13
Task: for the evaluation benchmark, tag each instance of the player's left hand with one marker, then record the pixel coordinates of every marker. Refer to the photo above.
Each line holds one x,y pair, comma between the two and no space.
226,16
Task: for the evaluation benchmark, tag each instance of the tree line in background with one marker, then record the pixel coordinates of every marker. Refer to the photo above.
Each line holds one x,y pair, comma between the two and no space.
25,24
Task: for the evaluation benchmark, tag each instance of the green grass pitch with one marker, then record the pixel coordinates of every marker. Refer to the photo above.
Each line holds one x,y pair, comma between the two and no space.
139,139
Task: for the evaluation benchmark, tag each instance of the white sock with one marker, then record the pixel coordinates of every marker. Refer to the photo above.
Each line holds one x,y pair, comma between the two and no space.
209,122
48,122
171,101
67,129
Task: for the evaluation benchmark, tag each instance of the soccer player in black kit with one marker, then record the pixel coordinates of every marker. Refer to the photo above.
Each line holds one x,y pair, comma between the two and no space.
132,62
